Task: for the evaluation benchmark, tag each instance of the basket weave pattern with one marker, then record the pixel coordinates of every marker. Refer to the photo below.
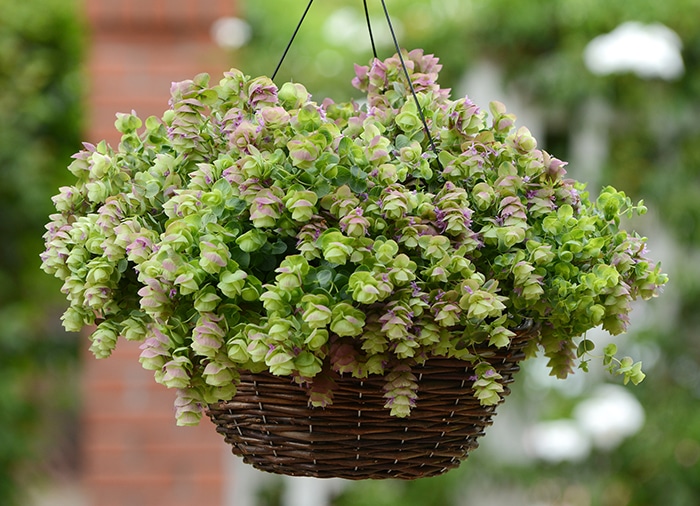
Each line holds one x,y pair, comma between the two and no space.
269,424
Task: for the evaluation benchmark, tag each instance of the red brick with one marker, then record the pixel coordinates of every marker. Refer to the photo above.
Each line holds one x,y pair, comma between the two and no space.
128,399
173,459
133,452
156,429
181,15
154,490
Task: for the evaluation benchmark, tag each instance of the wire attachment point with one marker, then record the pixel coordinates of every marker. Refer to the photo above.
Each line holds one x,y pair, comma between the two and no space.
410,84
369,29
289,45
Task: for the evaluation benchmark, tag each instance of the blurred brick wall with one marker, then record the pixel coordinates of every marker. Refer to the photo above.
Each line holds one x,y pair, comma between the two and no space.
133,453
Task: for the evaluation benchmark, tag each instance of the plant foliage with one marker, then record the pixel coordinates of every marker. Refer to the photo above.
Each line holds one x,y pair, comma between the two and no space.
252,228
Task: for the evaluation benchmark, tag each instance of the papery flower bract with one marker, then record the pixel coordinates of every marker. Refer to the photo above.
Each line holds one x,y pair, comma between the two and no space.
207,335
403,270
346,320
232,282
400,391
274,118
340,202
219,372
177,372
104,339
397,321
395,203
336,247
188,406
385,251
308,364
155,350
316,312
206,299
302,204
364,287
291,272
214,254
344,358
317,339
321,391
447,314
306,239
500,337
487,388
133,329
501,120
292,95
303,151
280,362
265,209
251,241
481,304
276,301
354,223
238,350
523,140
261,92
249,229
155,298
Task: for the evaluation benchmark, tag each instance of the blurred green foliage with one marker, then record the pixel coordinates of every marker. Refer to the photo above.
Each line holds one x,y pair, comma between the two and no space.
539,44
40,50
654,139
655,155
334,36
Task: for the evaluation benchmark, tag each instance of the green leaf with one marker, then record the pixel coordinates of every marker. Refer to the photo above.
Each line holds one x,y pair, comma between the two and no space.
252,240
584,347
241,257
402,141
322,188
278,247
324,277
357,172
358,185
343,177
208,97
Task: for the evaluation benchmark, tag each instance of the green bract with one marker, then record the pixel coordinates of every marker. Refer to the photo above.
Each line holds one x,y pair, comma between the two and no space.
253,229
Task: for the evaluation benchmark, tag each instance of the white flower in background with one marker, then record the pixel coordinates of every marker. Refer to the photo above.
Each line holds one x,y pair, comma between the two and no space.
650,51
609,416
347,28
230,32
344,27
557,441
601,421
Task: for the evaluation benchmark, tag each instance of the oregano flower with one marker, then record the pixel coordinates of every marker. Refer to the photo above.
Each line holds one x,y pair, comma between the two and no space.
252,227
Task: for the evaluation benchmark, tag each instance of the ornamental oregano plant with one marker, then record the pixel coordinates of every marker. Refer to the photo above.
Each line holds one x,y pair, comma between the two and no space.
253,229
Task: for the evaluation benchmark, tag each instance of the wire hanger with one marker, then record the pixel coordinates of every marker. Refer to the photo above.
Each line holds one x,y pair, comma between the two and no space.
374,51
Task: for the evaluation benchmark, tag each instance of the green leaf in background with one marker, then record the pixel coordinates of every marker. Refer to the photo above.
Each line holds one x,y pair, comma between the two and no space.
41,45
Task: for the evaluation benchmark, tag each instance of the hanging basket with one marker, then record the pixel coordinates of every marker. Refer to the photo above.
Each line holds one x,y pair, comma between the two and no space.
252,229
356,438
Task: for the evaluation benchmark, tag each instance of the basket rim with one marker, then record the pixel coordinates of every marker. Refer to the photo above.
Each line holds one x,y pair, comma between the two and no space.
271,426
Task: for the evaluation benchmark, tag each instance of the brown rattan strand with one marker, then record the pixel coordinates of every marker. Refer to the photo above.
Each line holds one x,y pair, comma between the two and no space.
270,425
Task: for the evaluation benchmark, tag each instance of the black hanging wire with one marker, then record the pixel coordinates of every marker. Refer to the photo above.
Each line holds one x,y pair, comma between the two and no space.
374,51
369,29
410,84
289,45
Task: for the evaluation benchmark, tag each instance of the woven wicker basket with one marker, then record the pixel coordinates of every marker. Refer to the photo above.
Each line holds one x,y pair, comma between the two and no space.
269,424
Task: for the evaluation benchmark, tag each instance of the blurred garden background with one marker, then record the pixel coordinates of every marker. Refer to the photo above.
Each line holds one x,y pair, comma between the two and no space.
612,86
